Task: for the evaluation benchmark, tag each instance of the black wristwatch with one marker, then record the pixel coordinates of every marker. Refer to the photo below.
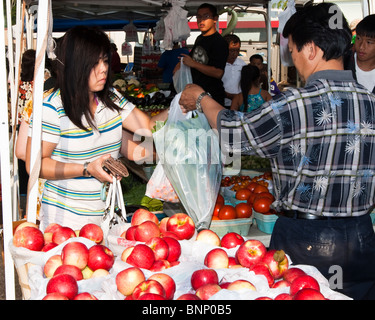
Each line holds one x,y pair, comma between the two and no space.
198,102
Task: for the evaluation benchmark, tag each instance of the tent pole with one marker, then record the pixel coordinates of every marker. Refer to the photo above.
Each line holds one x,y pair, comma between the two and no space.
5,166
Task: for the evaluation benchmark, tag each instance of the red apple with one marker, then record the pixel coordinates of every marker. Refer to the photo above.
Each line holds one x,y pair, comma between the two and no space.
188,296
62,234
292,273
231,240
263,298
64,284
76,254
240,284
277,262
309,294
55,296
126,253
129,233
208,236
167,282
52,227
206,291
92,231
151,296
141,256
99,273
148,286
159,246
182,225
163,224
169,234
203,276
233,263
100,257
216,258
304,281
250,252
49,246
174,249
261,268
25,224
128,279
284,296
225,284
51,265
142,215
29,237
160,265
146,230
85,296
75,272
281,284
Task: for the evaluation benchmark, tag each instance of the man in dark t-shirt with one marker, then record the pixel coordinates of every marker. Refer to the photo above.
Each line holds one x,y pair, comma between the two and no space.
209,55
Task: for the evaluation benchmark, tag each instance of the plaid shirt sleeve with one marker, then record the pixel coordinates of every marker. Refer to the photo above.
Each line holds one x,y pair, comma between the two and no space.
321,143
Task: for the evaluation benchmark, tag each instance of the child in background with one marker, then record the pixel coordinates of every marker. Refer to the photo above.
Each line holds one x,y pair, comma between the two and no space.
251,91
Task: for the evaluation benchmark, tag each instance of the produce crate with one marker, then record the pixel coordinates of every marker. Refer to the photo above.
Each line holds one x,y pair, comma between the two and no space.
265,222
222,227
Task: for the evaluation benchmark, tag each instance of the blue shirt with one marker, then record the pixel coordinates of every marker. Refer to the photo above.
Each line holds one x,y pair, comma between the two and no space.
168,61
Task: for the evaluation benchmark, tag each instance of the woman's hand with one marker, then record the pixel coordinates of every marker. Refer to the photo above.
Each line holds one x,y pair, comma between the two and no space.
189,97
96,169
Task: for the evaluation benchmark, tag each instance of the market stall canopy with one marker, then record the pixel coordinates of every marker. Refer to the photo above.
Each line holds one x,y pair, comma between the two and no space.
114,14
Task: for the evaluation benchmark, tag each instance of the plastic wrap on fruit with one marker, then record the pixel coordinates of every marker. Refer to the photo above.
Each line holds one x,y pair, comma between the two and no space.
159,187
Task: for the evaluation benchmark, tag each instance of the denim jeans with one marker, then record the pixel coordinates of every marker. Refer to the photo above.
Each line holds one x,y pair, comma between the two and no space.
346,243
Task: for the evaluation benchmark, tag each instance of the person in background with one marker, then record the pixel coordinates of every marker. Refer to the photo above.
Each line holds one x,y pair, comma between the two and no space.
252,96
168,61
82,124
321,146
362,60
209,54
257,60
232,72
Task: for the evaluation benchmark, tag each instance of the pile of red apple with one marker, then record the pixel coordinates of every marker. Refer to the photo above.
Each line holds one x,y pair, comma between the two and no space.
76,262
251,254
29,236
132,283
159,247
155,247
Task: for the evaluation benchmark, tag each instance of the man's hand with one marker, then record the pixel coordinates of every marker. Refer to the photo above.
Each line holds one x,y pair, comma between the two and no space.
189,97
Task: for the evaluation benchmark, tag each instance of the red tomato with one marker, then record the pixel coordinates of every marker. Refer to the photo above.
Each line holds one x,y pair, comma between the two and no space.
243,210
250,200
227,212
260,188
264,195
251,186
262,205
243,194
220,199
217,209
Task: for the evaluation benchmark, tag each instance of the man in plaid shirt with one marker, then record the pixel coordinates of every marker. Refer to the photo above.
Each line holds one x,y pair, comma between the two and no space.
321,143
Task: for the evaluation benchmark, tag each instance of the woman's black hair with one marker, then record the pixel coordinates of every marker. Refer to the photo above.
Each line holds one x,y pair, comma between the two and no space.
250,75
78,53
366,27
325,25
28,65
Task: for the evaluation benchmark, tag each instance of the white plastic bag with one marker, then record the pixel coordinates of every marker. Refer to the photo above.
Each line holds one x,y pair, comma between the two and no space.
159,187
115,212
182,77
190,154
286,58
